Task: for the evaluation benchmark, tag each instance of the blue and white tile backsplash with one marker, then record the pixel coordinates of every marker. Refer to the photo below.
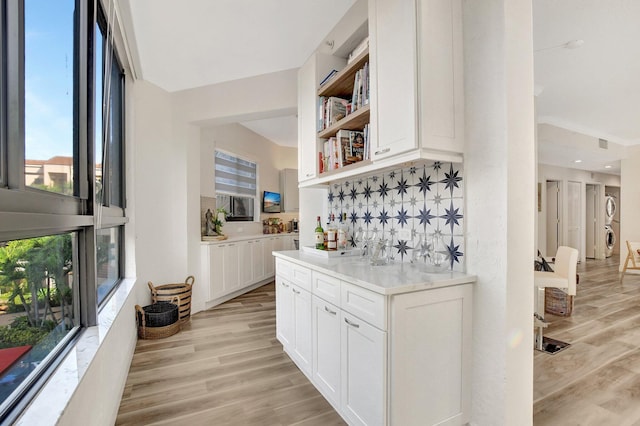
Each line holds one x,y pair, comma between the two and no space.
425,199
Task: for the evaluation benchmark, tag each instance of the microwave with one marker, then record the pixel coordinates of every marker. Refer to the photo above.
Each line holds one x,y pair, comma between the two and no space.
239,209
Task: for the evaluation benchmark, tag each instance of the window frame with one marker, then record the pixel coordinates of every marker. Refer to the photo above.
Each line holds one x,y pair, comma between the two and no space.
27,212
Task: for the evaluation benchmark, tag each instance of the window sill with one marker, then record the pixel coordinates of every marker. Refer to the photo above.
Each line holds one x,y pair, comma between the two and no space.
52,400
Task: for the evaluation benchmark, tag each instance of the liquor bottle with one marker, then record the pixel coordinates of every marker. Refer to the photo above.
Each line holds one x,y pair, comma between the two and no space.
319,233
332,234
342,232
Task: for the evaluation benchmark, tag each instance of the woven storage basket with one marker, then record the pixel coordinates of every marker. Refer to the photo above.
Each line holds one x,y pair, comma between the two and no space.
158,320
166,292
557,302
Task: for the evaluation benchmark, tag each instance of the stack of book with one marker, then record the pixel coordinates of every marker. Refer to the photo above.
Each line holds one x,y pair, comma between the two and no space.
330,111
360,96
347,147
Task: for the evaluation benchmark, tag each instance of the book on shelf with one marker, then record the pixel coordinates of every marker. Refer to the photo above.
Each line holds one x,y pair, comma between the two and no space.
328,77
364,44
356,145
360,94
367,145
346,155
334,153
330,111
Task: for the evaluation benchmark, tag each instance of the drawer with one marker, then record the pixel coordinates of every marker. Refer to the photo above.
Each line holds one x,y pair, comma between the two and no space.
326,287
364,304
284,269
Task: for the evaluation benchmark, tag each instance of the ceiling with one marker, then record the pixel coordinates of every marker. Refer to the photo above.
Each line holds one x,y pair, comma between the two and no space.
593,89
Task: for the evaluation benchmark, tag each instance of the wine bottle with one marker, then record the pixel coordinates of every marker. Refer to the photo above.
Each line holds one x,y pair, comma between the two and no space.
319,233
332,234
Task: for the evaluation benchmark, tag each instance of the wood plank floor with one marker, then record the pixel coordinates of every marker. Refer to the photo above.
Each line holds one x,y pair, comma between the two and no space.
596,381
224,368
227,368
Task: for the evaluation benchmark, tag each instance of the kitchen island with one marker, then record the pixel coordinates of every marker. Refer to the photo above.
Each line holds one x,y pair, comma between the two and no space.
385,345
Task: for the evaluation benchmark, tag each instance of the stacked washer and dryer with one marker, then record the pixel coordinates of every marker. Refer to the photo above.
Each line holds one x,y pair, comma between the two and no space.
609,235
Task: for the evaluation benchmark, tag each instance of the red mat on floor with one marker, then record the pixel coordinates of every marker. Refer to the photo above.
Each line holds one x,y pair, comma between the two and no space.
10,355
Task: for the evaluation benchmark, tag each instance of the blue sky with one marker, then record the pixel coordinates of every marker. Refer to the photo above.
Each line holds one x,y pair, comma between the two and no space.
48,78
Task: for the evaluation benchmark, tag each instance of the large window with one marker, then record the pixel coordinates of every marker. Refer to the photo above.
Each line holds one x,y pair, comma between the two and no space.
236,186
62,197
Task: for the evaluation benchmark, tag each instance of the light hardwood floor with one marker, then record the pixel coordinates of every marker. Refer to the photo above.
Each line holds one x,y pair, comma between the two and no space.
224,368
596,381
227,368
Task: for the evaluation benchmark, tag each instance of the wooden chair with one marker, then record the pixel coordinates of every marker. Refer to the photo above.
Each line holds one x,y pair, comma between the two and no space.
633,257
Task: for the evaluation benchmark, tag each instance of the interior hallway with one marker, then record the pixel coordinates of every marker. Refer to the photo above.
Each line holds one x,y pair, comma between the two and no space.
596,381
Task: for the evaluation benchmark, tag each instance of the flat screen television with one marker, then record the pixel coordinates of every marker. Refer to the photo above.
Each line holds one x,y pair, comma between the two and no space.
271,202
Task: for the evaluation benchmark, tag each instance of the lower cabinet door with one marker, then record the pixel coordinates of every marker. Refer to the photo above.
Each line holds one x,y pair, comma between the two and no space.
326,349
363,372
284,313
302,327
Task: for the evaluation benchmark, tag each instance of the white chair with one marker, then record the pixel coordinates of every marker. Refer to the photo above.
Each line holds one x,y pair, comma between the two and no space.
563,277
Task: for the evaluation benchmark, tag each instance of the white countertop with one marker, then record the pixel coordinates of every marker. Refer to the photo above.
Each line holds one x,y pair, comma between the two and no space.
393,278
249,237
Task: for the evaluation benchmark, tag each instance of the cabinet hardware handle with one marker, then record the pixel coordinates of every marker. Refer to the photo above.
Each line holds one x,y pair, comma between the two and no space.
285,285
295,291
308,174
353,324
382,151
330,311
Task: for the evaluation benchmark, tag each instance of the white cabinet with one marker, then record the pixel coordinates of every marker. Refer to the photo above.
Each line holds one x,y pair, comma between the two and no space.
307,141
257,259
216,263
245,263
289,190
302,334
230,268
393,76
401,359
326,349
284,312
293,319
432,334
363,372
418,97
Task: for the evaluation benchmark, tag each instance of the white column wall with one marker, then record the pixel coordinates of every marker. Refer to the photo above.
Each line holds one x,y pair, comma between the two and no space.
630,200
500,184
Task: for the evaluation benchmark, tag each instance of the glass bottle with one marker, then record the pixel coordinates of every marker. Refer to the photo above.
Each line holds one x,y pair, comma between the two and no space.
319,234
343,232
332,234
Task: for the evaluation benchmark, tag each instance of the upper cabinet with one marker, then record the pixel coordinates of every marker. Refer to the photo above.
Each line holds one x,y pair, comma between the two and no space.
289,190
413,105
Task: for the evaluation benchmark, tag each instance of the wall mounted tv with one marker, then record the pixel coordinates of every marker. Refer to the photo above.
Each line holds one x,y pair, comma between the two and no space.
271,202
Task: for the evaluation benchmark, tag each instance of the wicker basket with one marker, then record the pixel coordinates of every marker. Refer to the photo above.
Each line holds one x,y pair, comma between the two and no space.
166,292
158,320
557,302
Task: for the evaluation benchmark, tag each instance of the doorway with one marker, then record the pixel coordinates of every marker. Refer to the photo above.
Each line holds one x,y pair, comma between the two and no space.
591,201
554,216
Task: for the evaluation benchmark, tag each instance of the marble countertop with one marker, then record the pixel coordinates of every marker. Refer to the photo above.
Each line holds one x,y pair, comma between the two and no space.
249,237
393,278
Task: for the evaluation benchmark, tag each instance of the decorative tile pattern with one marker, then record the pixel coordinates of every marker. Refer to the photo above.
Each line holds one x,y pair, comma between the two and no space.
425,199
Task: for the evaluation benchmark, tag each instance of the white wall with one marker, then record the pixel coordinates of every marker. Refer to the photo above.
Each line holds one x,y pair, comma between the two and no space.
240,141
499,214
630,195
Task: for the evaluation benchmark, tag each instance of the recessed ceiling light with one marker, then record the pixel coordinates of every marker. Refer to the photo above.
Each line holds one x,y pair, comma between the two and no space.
607,167
577,161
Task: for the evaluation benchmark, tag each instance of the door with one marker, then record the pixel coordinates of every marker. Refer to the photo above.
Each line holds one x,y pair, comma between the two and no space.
302,327
307,154
284,313
554,217
574,216
257,256
230,269
216,280
326,349
245,253
269,260
393,72
591,201
363,371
